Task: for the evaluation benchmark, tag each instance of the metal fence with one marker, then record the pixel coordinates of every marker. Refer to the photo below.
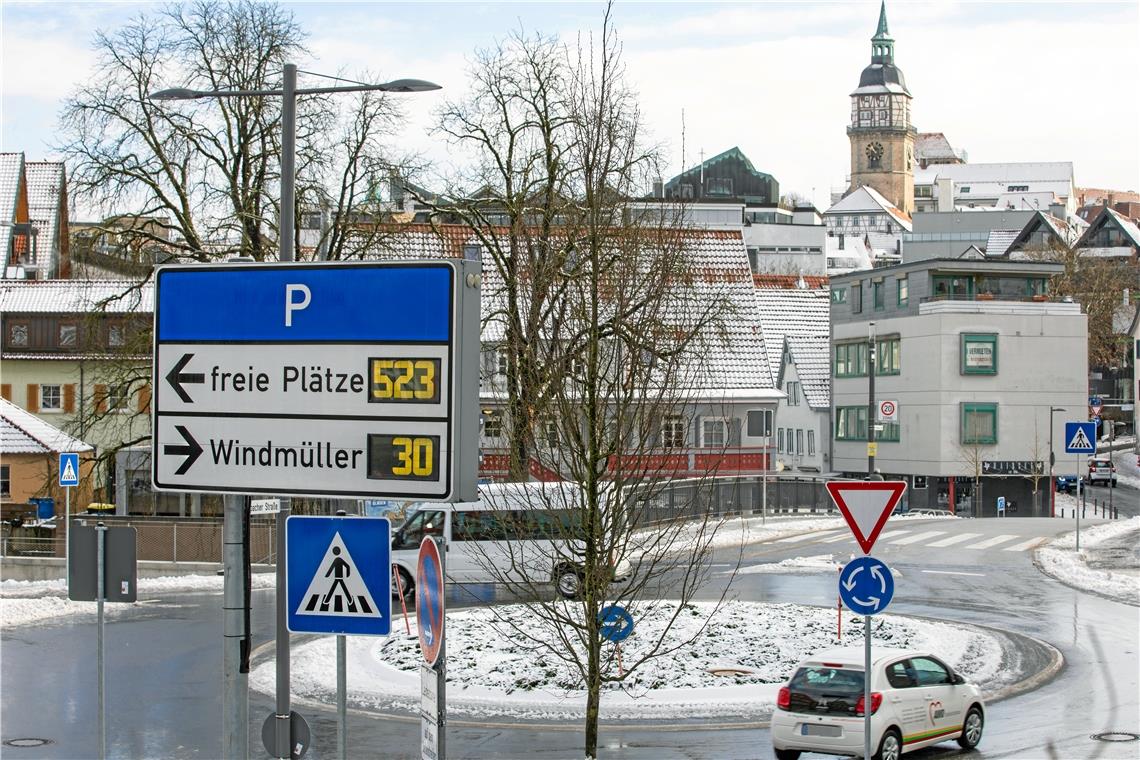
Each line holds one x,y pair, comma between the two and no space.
729,496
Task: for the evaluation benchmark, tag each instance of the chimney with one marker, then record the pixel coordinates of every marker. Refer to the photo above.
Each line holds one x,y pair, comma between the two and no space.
658,188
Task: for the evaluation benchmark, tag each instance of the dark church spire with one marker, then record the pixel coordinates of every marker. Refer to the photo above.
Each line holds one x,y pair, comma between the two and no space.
882,44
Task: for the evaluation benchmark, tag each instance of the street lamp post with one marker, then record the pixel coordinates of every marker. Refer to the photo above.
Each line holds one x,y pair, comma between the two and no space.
235,559
1052,462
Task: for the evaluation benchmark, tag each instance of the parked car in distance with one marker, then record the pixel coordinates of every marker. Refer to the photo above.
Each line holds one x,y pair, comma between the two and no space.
1102,470
1068,483
916,701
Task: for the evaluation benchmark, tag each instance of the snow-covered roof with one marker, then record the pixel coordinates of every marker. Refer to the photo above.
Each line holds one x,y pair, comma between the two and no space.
45,187
11,166
800,317
1047,171
1111,216
76,296
1027,201
932,145
717,259
866,198
999,241
22,432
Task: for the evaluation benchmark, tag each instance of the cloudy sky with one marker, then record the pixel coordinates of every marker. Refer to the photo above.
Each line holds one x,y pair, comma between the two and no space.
1006,81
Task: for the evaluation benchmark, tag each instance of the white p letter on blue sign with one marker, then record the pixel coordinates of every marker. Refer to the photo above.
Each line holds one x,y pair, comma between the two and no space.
291,305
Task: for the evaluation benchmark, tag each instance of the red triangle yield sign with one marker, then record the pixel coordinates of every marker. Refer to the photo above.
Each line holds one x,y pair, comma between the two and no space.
866,505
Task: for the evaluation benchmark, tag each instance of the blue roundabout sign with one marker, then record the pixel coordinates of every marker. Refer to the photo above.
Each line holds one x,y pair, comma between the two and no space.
866,586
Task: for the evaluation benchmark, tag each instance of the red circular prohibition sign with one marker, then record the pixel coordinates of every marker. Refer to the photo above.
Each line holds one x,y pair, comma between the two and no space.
429,600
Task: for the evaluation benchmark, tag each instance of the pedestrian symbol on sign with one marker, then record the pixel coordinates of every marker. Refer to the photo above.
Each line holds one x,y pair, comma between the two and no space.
1079,437
336,588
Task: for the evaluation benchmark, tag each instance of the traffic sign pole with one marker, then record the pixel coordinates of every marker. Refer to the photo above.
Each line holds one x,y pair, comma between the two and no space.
101,586
235,684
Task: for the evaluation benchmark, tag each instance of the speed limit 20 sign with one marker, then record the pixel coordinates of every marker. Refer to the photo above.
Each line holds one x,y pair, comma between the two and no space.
888,411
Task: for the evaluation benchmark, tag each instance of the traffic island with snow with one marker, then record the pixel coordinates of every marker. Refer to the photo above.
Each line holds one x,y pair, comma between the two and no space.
732,669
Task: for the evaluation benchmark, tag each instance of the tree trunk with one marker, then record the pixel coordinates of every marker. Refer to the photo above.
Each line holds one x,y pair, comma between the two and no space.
593,687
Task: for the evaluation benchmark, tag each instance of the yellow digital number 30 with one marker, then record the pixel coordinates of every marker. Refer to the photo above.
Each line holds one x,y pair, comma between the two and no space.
415,455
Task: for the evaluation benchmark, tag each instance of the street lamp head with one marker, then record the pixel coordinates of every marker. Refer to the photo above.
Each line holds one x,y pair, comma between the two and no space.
175,93
409,85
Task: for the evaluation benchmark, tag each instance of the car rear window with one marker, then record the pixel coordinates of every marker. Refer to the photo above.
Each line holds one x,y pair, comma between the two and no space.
825,690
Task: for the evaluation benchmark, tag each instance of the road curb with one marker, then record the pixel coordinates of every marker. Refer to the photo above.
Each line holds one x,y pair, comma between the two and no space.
1056,663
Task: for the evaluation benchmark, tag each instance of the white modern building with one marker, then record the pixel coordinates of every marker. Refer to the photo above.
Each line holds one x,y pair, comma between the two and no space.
974,354
1034,186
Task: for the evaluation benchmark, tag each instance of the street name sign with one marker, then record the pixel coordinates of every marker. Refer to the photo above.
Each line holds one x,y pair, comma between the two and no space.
330,379
1080,438
866,585
339,575
866,505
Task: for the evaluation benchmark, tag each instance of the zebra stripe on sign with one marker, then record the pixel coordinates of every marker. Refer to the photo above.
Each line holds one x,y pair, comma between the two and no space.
337,588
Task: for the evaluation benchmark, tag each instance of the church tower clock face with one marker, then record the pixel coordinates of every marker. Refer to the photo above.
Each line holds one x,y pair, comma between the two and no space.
875,153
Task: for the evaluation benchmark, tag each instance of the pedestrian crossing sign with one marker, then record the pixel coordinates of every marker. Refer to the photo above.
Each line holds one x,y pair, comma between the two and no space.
68,469
337,575
1080,437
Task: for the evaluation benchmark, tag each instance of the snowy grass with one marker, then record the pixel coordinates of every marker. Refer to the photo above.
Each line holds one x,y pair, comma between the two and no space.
1061,560
815,564
492,671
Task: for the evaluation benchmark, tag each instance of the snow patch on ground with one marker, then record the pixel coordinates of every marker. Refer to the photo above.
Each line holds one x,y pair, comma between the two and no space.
493,670
24,602
1061,560
818,563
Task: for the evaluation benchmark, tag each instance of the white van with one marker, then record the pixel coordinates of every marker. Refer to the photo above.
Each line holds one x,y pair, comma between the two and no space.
517,531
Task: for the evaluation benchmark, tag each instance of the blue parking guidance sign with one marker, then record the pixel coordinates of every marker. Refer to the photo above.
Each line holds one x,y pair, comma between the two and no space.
1080,437
68,469
338,575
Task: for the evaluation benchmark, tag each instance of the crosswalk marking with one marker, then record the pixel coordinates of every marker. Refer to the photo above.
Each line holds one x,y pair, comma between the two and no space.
845,536
915,538
954,539
992,541
1023,546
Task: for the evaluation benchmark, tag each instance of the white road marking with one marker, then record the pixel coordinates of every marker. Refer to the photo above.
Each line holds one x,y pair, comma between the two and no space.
951,572
917,537
1023,546
954,539
991,542
845,536
802,537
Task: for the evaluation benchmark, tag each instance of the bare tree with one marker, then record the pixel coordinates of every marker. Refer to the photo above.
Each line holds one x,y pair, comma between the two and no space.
207,172
617,352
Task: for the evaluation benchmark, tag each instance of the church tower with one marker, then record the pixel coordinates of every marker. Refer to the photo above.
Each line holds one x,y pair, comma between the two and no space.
881,135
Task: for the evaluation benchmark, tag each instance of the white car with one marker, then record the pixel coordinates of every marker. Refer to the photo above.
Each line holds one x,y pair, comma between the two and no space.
916,700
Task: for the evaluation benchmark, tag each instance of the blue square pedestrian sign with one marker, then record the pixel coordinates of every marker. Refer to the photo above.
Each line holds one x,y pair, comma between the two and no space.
1080,437
338,575
68,469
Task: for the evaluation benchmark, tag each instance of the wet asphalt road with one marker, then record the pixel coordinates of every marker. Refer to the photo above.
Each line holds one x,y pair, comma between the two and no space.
164,669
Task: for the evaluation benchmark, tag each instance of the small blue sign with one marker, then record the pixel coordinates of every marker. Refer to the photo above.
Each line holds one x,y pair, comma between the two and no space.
338,575
616,623
866,586
1001,504
1096,402
68,470
1080,437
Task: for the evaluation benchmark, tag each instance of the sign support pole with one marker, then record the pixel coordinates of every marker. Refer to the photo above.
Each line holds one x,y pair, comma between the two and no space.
284,739
67,532
235,684
441,665
866,686
1080,461
341,689
101,581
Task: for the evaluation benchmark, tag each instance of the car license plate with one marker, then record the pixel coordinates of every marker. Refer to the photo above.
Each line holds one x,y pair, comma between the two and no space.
818,729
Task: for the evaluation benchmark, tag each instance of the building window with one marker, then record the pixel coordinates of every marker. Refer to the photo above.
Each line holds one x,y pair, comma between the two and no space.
979,423
18,335
851,359
887,357
550,432
839,295
5,480
492,425
118,397
51,398
857,296
851,423
902,291
116,336
673,432
799,442
1017,188
780,440
68,335
811,443
793,390
501,365
887,431
720,186
714,432
963,189
979,354
877,295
